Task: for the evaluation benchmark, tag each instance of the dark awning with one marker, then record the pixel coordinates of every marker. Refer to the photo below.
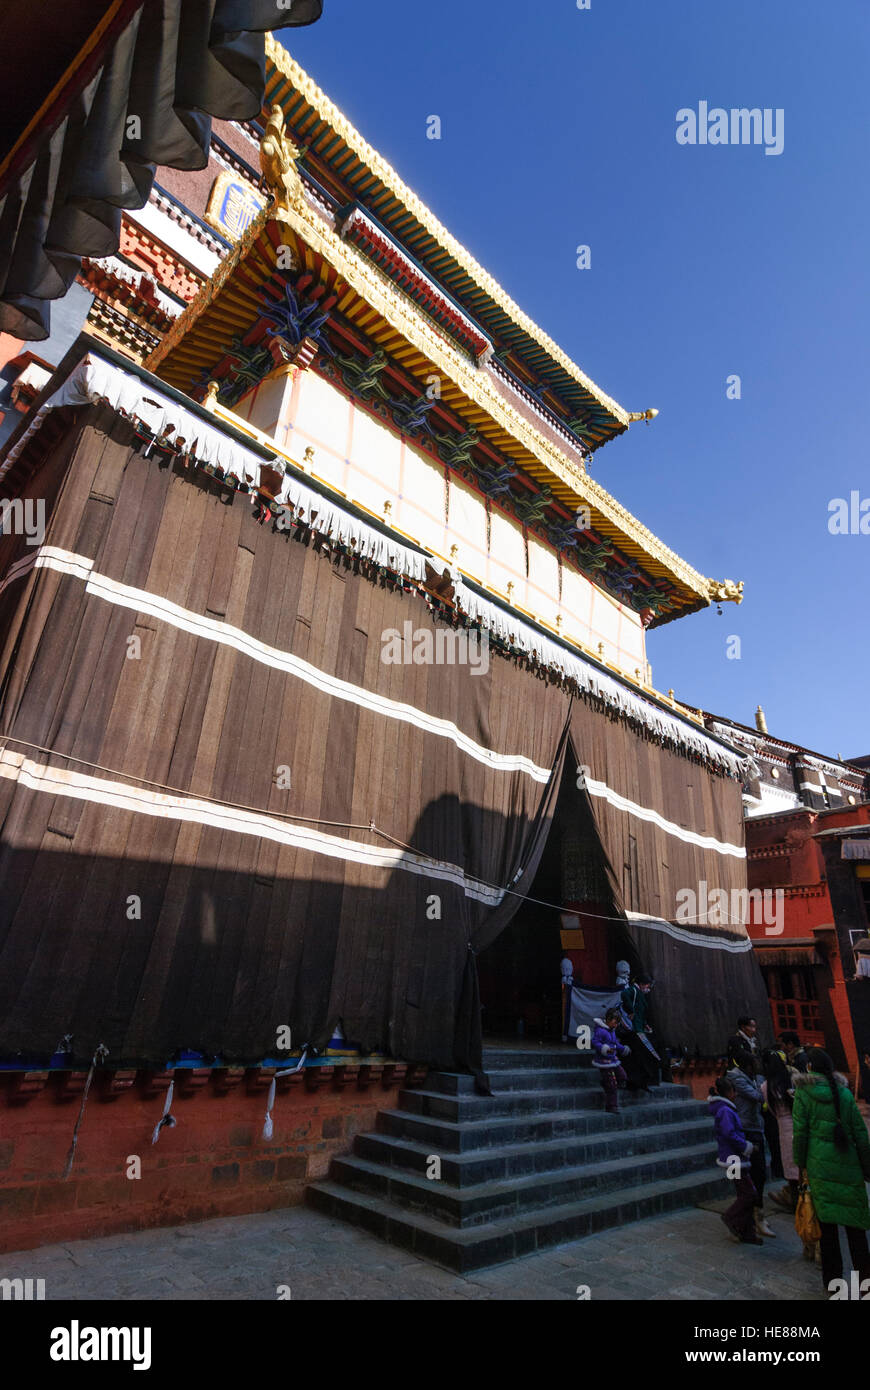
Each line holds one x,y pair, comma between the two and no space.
855,849
143,97
789,957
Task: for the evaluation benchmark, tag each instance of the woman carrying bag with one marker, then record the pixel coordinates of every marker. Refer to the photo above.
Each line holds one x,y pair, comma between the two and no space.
831,1143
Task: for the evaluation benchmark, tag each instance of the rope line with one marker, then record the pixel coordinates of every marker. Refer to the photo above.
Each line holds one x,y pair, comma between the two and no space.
372,827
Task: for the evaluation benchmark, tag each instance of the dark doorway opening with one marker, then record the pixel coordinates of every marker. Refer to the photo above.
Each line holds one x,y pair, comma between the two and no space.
569,913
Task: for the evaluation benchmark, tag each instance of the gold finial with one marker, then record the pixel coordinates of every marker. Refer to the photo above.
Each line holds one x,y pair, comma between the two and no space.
210,398
671,695
454,554
278,156
643,415
388,507
309,457
601,650
760,721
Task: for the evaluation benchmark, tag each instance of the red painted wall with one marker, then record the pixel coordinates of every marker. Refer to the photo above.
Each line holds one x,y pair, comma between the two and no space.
783,854
215,1161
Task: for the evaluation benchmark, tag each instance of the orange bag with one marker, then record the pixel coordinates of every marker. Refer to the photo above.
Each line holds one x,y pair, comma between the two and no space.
806,1223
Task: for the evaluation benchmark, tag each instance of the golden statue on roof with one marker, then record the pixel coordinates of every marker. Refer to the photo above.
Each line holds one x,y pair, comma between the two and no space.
278,156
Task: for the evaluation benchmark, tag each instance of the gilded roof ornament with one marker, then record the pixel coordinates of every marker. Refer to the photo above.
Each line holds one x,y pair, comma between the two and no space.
278,156
724,591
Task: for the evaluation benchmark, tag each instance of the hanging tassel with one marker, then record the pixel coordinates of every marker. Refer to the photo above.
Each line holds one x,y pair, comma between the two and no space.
268,1128
100,1053
166,1121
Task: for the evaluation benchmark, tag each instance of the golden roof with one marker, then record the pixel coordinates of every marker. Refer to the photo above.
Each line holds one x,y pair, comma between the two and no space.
329,136
230,304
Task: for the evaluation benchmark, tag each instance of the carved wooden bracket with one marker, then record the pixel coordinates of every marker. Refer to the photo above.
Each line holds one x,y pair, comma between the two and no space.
68,1085
189,1080
226,1079
113,1084
155,1083
25,1085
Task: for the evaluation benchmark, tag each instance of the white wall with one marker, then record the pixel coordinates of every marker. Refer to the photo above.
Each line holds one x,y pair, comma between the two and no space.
368,463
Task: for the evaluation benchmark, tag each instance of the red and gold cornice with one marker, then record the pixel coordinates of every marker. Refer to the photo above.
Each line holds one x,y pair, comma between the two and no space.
149,254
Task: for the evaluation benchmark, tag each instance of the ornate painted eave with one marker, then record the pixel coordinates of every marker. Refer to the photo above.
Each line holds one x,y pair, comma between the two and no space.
332,141
231,303
386,253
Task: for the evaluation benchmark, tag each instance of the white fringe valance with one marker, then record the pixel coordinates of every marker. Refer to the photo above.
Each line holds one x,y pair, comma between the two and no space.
550,653
329,520
95,380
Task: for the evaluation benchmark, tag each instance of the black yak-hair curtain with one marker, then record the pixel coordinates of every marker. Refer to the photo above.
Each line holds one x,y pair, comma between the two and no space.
161,888
175,66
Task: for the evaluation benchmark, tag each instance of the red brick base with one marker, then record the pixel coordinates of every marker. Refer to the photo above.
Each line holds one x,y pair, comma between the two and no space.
214,1162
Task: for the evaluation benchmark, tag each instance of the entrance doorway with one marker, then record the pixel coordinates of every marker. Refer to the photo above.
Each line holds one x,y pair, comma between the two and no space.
569,912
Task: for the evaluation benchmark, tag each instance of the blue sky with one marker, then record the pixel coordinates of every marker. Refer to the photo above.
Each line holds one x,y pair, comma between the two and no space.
558,129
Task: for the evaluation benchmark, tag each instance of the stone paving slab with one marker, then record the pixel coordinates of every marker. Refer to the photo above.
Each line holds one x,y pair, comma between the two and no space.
685,1255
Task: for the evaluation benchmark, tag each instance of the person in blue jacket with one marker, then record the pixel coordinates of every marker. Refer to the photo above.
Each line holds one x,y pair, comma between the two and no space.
607,1051
734,1155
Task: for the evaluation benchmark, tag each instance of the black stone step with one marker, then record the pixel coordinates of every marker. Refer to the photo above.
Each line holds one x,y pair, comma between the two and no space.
514,1079
476,1247
452,1136
469,1106
537,1162
569,1057
496,1164
518,1196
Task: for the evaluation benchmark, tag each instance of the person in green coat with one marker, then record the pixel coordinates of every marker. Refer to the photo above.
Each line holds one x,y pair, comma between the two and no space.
831,1143
642,1066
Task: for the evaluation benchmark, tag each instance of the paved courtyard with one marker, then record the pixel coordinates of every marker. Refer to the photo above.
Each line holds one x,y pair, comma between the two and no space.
688,1255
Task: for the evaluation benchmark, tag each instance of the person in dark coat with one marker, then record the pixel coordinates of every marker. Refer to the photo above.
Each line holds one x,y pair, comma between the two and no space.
831,1143
749,1100
795,1053
865,1076
779,1093
744,1040
734,1153
644,1062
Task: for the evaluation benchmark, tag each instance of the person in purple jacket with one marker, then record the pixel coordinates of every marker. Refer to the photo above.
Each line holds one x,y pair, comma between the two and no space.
734,1154
607,1051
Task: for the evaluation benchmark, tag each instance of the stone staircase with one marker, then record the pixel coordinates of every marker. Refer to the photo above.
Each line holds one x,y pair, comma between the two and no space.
536,1164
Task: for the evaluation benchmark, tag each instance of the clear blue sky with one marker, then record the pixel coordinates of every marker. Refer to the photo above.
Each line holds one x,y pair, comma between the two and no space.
558,129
